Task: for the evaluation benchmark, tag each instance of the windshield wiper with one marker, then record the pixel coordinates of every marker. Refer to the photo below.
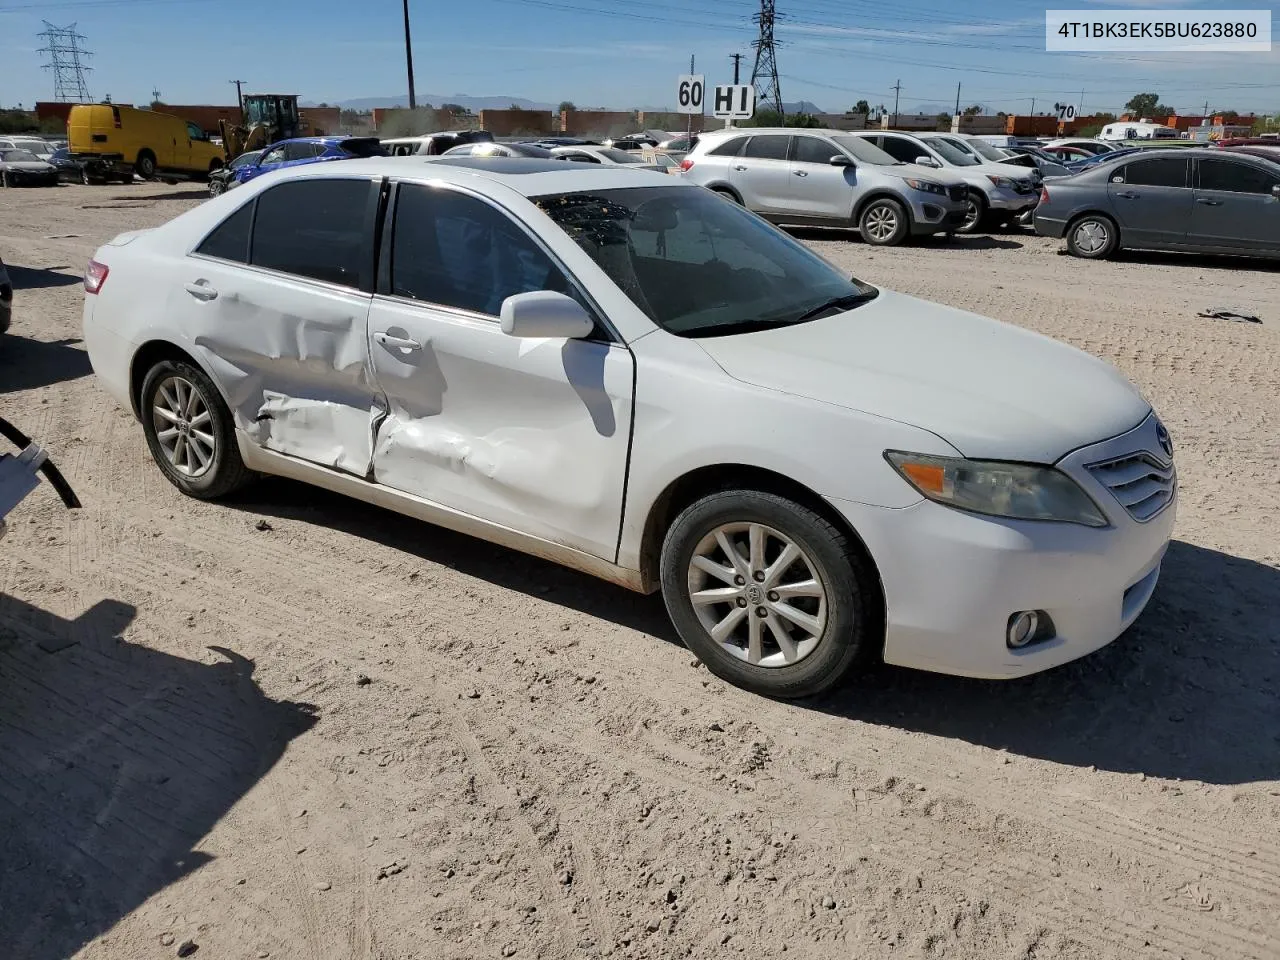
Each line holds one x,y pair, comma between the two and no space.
847,302
741,326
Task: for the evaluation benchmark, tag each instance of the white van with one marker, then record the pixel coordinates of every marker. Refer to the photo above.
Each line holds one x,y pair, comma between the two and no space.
1137,130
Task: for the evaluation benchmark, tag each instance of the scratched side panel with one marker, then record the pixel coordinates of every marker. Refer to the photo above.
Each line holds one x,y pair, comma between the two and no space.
292,360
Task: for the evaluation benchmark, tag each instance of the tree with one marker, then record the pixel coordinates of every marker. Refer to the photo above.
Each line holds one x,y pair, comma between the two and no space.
861,107
972,111
1147,105
565,106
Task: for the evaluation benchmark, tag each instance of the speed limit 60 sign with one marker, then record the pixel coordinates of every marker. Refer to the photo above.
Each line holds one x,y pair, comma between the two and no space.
689,93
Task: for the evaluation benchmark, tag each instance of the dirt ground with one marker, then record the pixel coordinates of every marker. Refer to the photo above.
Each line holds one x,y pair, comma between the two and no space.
295,726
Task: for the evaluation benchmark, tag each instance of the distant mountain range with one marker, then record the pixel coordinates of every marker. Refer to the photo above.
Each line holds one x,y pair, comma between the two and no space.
476,104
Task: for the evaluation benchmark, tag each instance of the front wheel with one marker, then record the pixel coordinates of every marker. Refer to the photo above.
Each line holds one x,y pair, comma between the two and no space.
216,187
883,223
190,432
770,596
146,165
1093,237
975,212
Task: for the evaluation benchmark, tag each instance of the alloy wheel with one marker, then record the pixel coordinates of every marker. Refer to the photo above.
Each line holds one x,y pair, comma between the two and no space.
1092,236
881,222
972,213
184,427
757,594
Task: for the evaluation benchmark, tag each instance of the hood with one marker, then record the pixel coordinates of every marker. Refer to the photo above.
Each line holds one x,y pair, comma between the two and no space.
27,166
943,175
991,390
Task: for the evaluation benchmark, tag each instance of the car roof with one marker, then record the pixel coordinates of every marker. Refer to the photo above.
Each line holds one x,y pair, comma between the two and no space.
530,177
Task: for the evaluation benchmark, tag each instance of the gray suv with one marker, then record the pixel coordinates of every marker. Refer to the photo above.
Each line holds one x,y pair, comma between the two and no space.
827,178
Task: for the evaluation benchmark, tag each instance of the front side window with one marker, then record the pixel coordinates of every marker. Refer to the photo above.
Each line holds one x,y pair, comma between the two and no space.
698,266
315,229
768,147
455,250
902,149
1233,177
814,150
1156,172
194,132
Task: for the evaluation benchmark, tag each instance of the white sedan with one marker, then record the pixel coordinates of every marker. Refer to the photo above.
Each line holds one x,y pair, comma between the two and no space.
634,378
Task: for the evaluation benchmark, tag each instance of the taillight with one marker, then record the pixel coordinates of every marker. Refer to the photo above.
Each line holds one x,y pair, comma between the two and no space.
95,275
686,164
1044,194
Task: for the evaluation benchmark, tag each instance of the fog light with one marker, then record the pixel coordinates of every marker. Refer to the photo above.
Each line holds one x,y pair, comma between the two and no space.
1022,628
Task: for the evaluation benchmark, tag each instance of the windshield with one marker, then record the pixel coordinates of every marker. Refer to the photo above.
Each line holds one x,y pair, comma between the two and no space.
20,156
698,266
987,151
953,154
863,149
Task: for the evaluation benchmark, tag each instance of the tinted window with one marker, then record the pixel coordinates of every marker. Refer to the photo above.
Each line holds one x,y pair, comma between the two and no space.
814,150
902,149
1157,172
314,228
452,249
768,147
273,156
865,150
194,132
230,239
1234,177
697,266
729,148
299,151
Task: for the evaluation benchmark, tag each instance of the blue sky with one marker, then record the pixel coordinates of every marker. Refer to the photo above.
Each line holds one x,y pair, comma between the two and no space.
615,53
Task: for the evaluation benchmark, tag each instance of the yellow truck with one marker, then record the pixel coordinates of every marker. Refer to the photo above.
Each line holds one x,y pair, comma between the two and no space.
114,141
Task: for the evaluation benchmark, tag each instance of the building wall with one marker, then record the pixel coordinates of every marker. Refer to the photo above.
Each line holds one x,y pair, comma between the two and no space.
320,121
977,125
46,109
672,122
842,121
511,123
1048,126
599,123
909,121
403,122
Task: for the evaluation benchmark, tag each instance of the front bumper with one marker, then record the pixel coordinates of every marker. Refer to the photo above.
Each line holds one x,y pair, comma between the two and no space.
934,213
1002,198
952,580
18,178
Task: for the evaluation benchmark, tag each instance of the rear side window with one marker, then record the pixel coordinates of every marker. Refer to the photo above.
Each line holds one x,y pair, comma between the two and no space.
729,148
814,150
457,251
1235,177
315,229
230,239
768,147
1156,172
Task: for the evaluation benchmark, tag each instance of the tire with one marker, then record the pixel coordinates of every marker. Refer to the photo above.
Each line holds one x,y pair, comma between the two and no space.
727,194
84,176
185,466
1093,237
839,634
976,213
884,223
146,165
217,187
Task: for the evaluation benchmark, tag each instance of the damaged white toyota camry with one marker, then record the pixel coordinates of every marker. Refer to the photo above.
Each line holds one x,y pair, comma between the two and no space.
631,376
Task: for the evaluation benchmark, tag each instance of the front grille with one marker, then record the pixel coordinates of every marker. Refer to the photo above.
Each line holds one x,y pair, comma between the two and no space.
1143,485
957,193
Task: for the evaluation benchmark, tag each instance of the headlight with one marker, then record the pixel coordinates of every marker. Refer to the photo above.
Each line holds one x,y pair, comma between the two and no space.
926,186
1000,181
1015,490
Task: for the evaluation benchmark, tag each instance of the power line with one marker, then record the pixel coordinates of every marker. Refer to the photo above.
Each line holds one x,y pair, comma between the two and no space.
66,62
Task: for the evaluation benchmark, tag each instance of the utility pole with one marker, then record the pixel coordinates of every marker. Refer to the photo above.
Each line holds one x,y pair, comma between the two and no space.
1033,106
957,100
689,131
408,57
239,97
897,88
737,64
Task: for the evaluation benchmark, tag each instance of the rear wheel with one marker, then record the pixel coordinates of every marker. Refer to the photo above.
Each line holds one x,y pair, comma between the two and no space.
883,222
1093,237
767,593
727,194
190,432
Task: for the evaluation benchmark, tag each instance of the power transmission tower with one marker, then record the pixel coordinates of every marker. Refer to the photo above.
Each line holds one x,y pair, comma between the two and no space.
764,77
67,61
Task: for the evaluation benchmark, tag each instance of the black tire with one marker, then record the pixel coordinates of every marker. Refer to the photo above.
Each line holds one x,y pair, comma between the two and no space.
727,194
226,472
1093,236
884,222
85,177
846,639
146,165
976,213
217,187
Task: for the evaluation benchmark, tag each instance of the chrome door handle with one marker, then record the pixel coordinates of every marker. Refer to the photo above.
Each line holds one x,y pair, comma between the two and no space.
397,343
201,290
801,173
739,168
1209,203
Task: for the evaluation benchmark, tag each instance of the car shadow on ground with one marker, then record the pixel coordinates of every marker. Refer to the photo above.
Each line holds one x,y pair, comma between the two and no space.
1188,692
972,241
195,193
27,364
115,761
1202,261
33,278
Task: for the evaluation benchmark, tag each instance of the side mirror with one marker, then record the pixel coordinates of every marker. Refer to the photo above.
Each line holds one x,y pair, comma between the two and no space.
840,160
545,313
926,161
1275,191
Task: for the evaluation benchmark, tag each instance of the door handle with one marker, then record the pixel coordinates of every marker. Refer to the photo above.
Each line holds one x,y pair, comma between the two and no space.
201,290
397,343
739,168
1127,196
1209,203
801,173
